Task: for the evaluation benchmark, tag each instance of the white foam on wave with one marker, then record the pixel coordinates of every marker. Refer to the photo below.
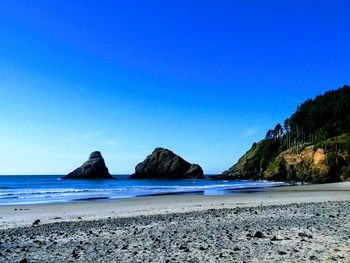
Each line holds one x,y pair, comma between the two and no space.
119,189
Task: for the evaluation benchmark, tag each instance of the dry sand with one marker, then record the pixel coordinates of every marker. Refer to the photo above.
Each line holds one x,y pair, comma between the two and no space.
298,224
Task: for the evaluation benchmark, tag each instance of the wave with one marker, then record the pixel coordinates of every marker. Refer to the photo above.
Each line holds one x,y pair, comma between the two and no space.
31,191
55,191
46,192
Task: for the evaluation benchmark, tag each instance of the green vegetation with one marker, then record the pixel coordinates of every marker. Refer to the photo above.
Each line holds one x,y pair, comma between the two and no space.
316,120
313,145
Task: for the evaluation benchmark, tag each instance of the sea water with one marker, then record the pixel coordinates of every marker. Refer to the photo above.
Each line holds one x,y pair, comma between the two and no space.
36,189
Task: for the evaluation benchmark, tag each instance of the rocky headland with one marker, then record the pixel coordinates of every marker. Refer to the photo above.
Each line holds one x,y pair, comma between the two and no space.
322,162
313,145
93,168
164,164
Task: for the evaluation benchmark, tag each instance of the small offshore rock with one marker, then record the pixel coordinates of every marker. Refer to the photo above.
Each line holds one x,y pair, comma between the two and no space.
93,168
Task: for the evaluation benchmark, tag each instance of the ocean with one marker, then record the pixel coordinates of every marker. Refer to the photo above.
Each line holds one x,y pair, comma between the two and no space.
36,189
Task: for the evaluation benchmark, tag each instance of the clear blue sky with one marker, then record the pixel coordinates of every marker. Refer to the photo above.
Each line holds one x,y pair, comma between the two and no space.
203,78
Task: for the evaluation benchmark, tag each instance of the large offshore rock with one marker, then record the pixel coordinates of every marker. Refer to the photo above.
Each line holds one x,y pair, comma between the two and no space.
164,164
93,168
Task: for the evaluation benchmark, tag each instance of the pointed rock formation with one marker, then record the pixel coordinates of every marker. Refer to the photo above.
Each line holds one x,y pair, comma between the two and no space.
94,168
164,164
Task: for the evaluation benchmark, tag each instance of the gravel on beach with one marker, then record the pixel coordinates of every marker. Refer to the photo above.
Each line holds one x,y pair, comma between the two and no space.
309,232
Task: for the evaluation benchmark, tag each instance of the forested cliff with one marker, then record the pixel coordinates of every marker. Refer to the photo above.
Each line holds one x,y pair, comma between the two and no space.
312,145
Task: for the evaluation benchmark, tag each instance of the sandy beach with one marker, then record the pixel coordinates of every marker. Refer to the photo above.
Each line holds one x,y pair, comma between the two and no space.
288,224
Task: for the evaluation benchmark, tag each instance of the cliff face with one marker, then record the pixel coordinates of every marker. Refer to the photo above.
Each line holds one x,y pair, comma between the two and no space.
326,161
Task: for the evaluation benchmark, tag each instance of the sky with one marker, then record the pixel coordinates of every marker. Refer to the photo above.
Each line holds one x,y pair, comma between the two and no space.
205,79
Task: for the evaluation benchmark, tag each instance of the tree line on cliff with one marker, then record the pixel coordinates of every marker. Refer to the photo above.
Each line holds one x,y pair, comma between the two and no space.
315,120
319,123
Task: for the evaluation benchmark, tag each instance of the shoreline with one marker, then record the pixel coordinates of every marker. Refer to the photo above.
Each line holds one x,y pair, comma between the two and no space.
284,224
12,216
50,189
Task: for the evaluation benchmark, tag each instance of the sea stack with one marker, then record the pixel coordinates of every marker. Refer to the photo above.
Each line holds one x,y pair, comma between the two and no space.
164,164
93,168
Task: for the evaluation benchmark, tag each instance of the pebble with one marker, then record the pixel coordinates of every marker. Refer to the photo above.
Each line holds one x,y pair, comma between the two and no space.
197,236
36,222
258,234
